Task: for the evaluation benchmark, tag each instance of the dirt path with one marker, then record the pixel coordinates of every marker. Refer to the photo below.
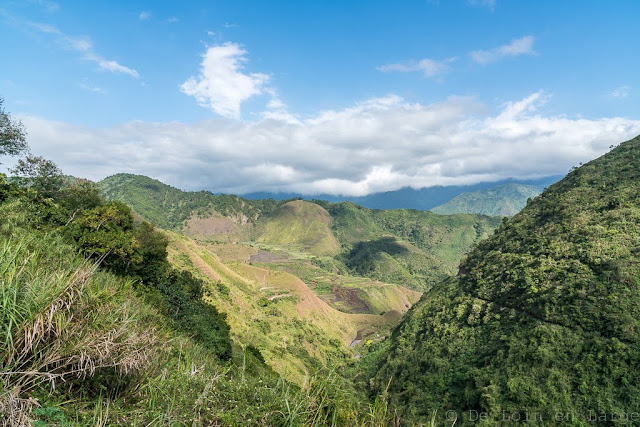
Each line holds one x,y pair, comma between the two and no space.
271,298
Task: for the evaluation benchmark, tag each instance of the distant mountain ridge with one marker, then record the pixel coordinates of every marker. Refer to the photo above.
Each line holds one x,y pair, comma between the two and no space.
501,200
408,198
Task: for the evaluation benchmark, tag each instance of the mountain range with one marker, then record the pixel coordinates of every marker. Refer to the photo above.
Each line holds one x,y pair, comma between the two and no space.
130,301
409,198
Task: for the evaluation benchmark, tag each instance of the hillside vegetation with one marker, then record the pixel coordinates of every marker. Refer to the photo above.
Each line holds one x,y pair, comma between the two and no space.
411,248
303,224
99,329
543,320
415,248
501,200
169,207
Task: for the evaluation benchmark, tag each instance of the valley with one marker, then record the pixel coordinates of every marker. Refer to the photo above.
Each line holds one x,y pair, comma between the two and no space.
300,280
319,214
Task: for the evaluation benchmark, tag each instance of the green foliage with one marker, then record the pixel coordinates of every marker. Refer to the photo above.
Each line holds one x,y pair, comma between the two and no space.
408,247
38,173
544,317
169,207
106,233
503,200
12,135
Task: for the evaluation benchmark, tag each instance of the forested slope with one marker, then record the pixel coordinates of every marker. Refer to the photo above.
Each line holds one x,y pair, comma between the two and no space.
544,317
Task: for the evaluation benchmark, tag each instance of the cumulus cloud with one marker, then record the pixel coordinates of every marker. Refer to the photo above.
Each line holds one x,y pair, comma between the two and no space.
222,84
429,67
84,46
521,46
144,15
376,145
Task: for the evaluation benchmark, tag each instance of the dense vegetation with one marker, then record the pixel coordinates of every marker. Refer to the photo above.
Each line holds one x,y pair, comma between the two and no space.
501,200
410,247
168,207
543,321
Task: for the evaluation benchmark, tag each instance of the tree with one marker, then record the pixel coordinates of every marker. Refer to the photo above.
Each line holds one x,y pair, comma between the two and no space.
40,174
12,135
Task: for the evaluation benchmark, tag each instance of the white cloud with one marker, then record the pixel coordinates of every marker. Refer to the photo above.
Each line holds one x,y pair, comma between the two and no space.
429,67
144,15
521,46
84,46
620,92
377,145
221,84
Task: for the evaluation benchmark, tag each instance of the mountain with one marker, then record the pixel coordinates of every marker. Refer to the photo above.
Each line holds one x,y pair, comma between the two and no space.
407,198
169,207
501,200
543,318
100,328
406,247
300,223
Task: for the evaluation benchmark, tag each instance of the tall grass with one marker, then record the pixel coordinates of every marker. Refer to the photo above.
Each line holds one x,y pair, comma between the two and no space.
60,320
77,348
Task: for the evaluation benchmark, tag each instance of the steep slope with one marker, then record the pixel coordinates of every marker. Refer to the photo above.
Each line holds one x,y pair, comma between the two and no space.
84,346
274,311
544,317
502,200
300,224
410,247
169,207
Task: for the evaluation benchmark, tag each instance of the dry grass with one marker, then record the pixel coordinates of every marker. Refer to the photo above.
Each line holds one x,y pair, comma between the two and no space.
61,320
14,411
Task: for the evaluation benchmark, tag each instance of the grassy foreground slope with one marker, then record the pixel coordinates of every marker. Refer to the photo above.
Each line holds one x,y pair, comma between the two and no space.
120,337
502,200
543,320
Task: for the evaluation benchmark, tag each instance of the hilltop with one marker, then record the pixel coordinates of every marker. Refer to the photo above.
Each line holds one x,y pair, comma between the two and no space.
543,317
501,200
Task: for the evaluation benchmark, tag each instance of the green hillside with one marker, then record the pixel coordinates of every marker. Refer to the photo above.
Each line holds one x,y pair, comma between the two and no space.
407,247
169,207
543,319
300,223
415,248
502,200
98,328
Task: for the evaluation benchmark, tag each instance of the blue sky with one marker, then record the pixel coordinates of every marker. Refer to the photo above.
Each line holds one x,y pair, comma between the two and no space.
333,96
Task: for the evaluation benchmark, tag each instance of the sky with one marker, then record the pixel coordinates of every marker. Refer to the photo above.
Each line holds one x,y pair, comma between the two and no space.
335,97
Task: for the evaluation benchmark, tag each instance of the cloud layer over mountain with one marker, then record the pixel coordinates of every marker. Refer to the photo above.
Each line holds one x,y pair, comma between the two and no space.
377,145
